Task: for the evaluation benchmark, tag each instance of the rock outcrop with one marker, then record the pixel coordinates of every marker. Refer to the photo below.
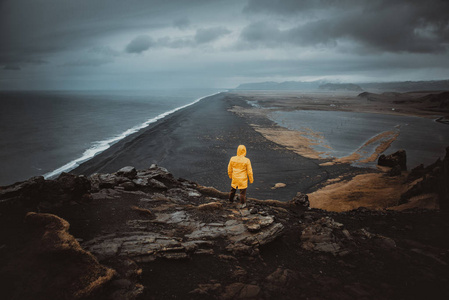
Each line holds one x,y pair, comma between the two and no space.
144,234
179,225
38,192
430,181
129,179
399,158
52,264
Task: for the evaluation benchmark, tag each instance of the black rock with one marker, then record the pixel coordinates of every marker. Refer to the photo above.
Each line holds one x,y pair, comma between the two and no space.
395,171
129,172
397,158
301,199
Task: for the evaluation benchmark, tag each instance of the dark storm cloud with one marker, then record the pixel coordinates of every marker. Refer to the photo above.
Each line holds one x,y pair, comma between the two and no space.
167,42
262,32
139,44
384,26
94,57
12,67
274,39
269,35
35,30
291,7
206,35
181,23
203,36
105,51
89,62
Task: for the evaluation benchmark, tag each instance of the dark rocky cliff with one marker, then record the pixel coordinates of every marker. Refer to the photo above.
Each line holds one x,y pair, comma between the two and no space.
146,235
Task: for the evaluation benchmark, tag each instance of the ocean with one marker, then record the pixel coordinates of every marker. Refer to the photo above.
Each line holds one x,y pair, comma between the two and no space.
49,132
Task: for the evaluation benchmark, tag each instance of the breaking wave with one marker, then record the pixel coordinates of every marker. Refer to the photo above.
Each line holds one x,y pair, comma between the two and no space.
101,146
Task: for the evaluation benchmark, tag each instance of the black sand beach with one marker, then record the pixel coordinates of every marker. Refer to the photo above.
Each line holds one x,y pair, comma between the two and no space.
197,142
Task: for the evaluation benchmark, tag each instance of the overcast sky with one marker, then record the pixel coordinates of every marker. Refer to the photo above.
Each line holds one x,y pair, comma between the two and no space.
146,44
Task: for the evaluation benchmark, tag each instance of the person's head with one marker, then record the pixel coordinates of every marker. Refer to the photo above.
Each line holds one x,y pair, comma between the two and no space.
241,150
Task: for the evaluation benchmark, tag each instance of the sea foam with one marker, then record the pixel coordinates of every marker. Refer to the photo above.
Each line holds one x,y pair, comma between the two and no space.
101,146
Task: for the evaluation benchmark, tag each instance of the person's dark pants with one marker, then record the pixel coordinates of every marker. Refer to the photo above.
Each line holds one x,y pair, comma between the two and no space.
242,195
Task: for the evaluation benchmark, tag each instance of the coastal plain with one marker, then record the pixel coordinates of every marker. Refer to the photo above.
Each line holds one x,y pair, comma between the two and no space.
197,142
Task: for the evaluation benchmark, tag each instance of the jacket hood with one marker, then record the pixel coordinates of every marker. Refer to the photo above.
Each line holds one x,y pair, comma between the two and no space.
241,150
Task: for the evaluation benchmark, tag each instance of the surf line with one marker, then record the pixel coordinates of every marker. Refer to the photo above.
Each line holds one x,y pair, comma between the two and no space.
101,146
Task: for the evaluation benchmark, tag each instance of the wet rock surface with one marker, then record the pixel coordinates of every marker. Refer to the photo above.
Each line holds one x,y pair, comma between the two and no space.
162,237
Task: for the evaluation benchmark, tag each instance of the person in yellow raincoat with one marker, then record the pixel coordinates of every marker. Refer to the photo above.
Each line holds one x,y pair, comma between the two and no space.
239,170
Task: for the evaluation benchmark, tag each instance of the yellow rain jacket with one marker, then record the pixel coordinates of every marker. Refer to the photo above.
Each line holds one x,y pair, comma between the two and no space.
239,169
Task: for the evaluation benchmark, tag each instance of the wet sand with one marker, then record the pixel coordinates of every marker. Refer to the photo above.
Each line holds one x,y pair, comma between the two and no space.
197,142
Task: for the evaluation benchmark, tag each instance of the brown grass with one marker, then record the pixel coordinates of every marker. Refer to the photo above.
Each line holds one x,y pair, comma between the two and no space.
210,206
142,210
375,191
212,192
427,201
292,140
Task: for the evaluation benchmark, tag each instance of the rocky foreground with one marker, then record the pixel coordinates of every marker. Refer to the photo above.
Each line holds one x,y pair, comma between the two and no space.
146,235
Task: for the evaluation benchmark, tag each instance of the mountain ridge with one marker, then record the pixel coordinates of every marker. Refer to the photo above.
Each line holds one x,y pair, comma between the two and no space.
320,85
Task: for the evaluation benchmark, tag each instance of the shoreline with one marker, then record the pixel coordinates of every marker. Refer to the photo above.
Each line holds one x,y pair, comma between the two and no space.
337,193
312,142
107,143
197,142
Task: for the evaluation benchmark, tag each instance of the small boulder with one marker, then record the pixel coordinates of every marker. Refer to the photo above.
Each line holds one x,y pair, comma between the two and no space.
301,200
128,171
278,185
103,181
258,222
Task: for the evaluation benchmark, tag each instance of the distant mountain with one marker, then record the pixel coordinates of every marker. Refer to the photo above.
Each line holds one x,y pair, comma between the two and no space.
399,86
407,86
437,101
341,87
286,85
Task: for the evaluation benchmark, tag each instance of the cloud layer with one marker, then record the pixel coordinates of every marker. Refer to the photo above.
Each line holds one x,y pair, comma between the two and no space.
375,25
114,43
140,44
